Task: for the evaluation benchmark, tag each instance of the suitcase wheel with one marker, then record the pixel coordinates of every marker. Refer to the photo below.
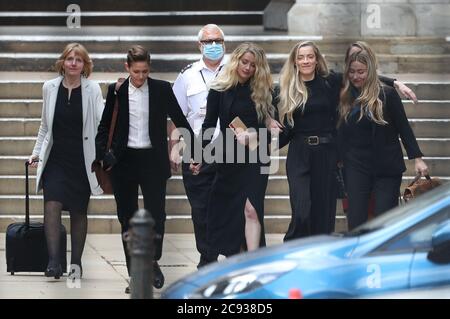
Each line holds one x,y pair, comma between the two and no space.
12,273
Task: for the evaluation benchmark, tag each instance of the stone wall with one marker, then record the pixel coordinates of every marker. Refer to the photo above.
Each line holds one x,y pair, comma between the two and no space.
370,18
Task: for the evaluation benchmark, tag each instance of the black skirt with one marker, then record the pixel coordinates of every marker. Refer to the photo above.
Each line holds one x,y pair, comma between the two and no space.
64,178
233,185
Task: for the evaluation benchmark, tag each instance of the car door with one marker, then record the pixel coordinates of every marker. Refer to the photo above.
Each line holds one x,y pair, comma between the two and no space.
416,241
426,273
383,270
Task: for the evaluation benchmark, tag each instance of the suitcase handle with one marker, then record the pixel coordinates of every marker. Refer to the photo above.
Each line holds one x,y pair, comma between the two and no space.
27,195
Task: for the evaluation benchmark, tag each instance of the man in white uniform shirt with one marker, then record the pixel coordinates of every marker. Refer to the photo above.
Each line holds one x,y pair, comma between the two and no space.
191,90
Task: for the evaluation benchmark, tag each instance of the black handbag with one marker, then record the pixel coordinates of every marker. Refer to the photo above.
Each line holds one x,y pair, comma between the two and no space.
103,174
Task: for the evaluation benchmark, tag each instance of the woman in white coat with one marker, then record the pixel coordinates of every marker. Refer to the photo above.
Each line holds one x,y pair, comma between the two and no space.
64,150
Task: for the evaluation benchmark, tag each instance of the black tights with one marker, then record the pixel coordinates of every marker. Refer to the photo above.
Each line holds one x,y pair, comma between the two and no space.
52,224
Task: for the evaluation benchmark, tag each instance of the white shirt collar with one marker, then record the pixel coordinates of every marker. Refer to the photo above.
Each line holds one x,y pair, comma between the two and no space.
202,64
132,88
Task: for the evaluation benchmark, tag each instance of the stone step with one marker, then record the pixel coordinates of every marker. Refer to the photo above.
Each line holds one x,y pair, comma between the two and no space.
277,185
108,224
133,18
133,12
15,185
23,146
30,127
427,109
164,41
435,90
138,5
32,108
163,62
175,205
105,204
430,127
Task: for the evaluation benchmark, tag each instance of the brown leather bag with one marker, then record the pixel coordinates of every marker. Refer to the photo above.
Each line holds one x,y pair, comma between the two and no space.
104,177
419,186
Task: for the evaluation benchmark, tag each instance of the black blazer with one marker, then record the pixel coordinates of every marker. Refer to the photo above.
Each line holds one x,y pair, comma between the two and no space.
162,102
386,150
218,107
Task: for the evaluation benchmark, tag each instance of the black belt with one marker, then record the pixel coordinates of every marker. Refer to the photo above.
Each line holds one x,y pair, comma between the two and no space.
316,140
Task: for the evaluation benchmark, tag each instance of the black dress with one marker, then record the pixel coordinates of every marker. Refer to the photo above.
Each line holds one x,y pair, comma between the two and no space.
235,183
64,178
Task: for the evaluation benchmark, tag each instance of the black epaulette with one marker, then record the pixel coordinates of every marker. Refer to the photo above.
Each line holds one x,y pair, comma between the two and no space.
187,67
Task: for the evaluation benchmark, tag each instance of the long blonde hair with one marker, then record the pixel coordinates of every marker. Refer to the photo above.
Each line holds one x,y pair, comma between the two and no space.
293,91
261,82
362,46
368,99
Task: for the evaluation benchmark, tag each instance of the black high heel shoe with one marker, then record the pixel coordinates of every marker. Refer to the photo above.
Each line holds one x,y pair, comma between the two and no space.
55,271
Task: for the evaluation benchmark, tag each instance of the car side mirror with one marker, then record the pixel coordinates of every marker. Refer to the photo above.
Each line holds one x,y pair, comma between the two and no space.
440,244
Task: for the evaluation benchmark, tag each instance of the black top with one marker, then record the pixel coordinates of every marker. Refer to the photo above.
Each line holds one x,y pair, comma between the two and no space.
360,140
321,109
319,116
385,150
244,107
359,129
225,106
68,126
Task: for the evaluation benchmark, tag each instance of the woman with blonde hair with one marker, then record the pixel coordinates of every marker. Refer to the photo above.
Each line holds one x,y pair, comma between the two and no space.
65,148
236,207
358,46
307,106
371,120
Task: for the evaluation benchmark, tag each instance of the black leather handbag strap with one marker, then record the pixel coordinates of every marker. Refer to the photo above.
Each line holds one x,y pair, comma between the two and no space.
114,116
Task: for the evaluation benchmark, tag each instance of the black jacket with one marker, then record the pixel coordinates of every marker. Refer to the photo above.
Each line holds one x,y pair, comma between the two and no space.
387,153
162,102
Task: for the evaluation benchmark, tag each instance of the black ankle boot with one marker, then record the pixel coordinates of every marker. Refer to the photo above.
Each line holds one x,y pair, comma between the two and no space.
54,271
158,276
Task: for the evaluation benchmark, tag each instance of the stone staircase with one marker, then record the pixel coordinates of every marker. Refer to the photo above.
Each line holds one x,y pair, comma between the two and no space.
27,57
132,12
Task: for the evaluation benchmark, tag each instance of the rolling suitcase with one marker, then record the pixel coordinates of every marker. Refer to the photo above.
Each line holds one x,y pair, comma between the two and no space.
26,246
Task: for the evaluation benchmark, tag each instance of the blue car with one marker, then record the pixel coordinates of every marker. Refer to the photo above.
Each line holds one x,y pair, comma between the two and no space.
405,248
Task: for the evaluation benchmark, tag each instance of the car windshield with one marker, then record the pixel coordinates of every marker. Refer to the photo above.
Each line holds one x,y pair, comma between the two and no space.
401,212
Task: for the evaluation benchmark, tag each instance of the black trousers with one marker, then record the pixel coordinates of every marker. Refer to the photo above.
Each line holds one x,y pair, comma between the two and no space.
140,168
311,173
360,184
198,189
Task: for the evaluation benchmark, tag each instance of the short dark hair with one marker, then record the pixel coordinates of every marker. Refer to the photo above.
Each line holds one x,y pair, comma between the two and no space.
137,54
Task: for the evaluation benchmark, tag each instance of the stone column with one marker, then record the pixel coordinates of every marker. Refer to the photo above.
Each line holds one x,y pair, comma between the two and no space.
275,14
370,18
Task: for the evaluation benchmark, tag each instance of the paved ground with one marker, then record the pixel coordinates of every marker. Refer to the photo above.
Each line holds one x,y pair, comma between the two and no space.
104,271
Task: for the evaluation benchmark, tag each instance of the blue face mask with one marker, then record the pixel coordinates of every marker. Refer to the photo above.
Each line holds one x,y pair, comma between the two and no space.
213,51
